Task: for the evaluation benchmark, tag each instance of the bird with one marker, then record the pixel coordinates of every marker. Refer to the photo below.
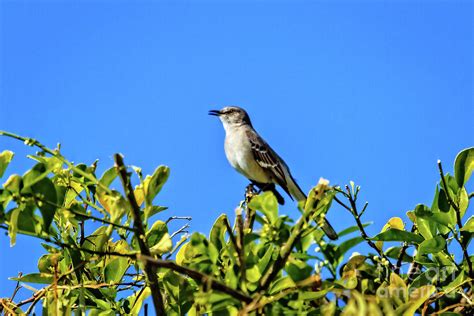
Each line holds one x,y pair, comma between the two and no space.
249,154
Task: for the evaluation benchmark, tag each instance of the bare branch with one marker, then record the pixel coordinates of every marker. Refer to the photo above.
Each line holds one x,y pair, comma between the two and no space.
355,213
150,270
178,217
181,230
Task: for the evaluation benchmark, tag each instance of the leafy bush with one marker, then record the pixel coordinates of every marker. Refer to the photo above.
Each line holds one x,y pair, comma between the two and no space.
263,263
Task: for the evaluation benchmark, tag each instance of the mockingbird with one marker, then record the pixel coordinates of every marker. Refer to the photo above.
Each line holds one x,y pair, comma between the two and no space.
251,156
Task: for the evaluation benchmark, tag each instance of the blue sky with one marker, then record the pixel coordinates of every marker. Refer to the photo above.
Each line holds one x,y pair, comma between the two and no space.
370,91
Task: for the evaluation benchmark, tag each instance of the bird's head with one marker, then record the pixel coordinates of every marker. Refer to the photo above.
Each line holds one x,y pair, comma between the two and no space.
232,116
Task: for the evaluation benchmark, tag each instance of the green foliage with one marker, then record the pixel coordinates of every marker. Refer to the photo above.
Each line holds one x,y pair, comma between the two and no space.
264,262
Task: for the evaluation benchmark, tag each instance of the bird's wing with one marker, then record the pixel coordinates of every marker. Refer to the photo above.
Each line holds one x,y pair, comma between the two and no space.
268,159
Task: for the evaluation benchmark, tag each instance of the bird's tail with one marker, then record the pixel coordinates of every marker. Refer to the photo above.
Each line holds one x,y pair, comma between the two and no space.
299,195
329,230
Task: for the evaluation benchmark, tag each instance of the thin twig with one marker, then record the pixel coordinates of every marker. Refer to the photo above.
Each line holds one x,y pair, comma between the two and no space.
355,213
196,275
402,253
450,307
17,287
150,270
231,234
33,142
181,230
178,217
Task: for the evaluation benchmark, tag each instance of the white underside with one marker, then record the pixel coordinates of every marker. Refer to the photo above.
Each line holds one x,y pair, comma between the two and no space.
239,153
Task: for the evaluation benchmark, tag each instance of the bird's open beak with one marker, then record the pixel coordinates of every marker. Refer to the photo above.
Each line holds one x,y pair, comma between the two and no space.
214,112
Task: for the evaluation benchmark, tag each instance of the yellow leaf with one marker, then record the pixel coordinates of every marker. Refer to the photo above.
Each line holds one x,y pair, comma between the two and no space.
398,289
139,194
393,223
163,246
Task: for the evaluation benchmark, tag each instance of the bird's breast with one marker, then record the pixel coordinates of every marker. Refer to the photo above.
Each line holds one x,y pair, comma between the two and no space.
240,156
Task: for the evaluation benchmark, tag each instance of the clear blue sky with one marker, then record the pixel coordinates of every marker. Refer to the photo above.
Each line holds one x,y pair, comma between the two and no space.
374,91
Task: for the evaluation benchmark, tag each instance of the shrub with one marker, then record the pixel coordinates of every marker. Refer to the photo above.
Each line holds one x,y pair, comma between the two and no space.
262,263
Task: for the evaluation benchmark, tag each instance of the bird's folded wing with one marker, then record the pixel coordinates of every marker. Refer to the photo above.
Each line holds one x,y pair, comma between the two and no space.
267,158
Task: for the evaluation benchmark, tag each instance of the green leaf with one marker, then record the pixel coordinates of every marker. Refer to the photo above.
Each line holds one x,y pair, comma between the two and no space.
218,230
47,204
114,203
424,278
253,274
443,204
5,157
462,200
394,252
41,278
267,204
22,220
469,226
427,219
156,233
47,262
13,225
265,260
163,246
398,235
298,270
136,300
35,174
432,245
98,239
457,282
154,183
281,284
346,245
115,269
13,184
352,229
108,176
464,165
152,210
313,295
426,227
417,298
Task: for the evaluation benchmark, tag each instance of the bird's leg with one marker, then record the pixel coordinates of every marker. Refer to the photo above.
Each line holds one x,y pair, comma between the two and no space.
249,192
265,187
262,187
249,213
